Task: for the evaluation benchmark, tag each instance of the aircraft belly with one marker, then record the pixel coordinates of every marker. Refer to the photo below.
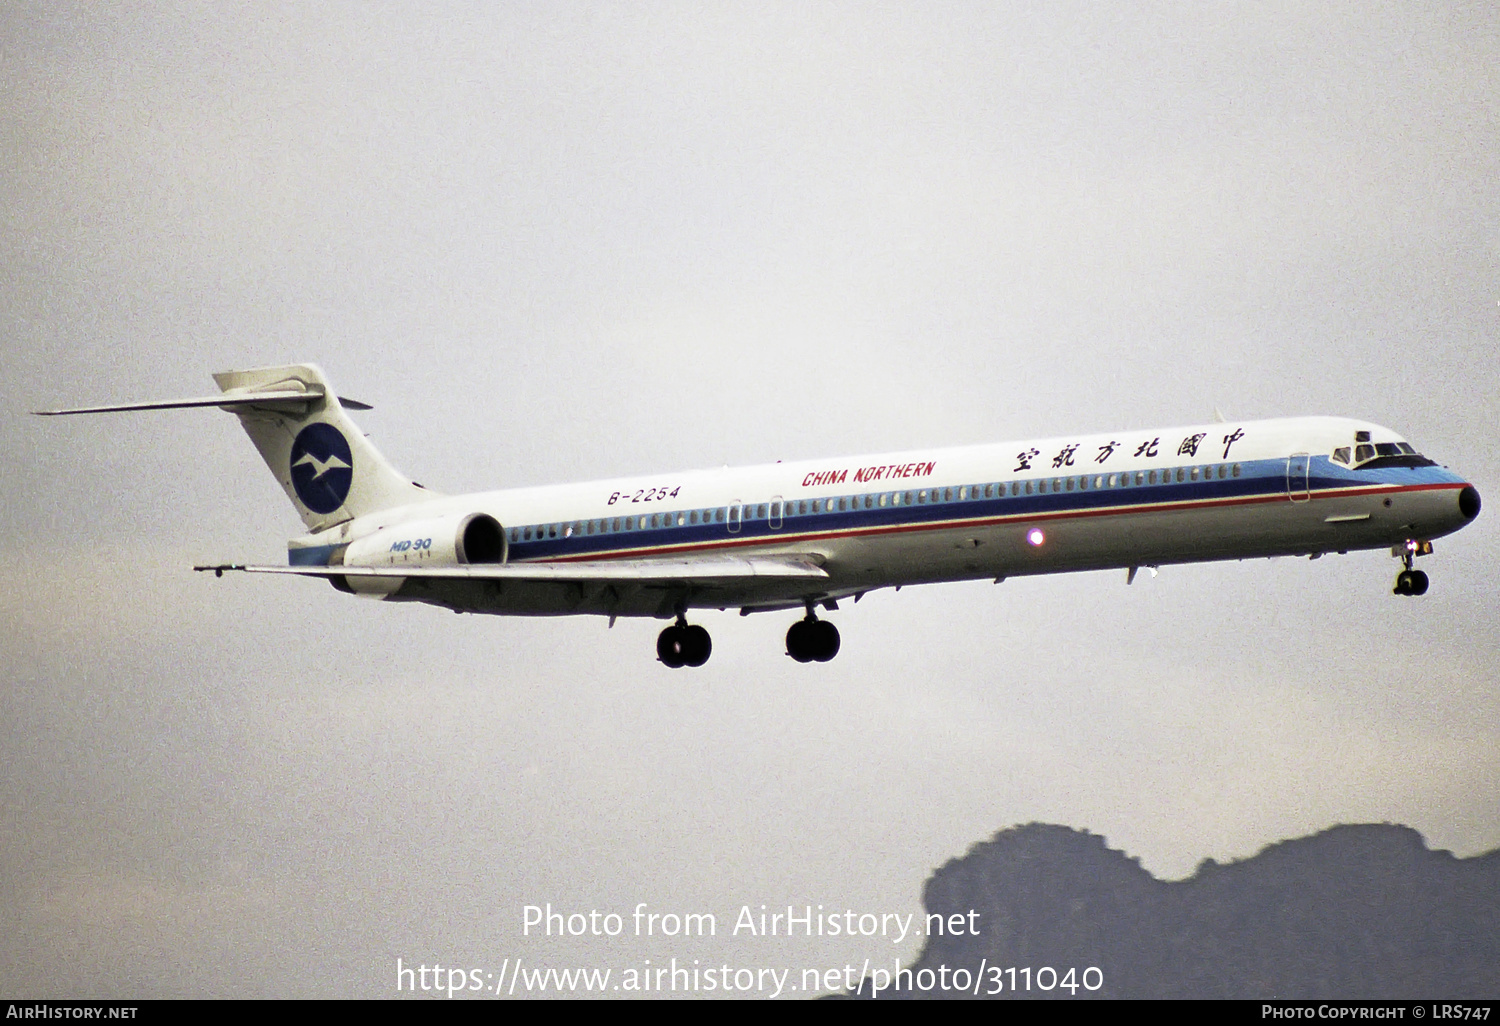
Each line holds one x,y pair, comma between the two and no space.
654,599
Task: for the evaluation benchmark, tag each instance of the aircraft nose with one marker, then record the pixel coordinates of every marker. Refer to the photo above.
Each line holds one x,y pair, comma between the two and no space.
1468,502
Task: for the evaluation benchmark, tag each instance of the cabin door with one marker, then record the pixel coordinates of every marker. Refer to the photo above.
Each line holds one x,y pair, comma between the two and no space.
1298,467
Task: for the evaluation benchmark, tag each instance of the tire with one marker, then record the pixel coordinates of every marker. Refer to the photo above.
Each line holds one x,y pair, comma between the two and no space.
826,637
1419,582
696,645
669,647
799,643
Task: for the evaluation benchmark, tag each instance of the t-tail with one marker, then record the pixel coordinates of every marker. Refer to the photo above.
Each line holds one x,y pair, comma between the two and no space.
323,461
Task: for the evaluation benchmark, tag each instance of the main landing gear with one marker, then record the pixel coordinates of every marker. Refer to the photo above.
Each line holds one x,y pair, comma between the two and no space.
683,644
811,639
1409,581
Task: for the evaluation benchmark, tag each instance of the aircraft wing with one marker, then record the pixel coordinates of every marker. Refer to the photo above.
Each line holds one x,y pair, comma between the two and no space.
699,570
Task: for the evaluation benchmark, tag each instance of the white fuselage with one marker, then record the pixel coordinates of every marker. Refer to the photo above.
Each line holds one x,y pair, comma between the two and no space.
1085,502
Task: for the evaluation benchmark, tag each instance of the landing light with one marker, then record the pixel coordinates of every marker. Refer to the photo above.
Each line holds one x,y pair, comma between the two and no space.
1035,536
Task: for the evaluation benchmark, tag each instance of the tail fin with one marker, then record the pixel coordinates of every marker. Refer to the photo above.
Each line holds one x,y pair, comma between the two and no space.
325,464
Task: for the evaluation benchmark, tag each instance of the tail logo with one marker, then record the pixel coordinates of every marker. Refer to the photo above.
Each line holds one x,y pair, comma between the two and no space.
322,467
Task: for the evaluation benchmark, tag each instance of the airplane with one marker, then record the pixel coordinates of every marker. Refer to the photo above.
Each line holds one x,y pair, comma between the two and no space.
805,535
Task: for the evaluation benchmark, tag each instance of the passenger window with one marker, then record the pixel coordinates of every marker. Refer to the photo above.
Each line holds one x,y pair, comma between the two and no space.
1151,477
1113,480
1193,474
1057,484
922,496
948,494
1236,470
1181,475
907,500
760,511
1028,487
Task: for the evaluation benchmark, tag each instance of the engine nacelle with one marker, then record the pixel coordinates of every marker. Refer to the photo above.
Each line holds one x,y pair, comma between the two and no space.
442,541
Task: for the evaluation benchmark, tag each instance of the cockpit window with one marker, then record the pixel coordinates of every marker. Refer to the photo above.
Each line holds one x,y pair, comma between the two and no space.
1341,455
1368,456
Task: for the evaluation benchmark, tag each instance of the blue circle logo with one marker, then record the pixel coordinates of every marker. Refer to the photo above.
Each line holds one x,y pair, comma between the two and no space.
322,467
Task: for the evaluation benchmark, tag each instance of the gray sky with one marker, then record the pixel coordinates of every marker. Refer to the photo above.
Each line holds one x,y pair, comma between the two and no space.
553,243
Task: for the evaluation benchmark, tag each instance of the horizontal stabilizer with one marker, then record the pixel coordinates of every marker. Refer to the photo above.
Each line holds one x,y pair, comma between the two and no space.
677,571
278,397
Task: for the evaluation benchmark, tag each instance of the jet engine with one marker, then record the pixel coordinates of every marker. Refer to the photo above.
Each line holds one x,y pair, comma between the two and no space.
441,541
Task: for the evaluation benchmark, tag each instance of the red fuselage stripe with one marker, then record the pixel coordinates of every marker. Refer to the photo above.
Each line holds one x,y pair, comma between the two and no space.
1018,518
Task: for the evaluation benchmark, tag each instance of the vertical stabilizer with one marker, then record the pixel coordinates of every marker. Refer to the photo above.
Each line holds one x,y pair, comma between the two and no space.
325,464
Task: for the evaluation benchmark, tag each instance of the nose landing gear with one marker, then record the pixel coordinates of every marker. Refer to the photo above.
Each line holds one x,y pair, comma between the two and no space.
683,644
811,638
1409,581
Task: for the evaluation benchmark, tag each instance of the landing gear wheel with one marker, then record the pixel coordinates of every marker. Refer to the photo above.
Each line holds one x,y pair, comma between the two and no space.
799,643
683,645
1410,582
696,645
827,640
808,640
669,647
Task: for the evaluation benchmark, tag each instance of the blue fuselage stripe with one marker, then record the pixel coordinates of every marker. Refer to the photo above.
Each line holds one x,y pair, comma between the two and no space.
1259,481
